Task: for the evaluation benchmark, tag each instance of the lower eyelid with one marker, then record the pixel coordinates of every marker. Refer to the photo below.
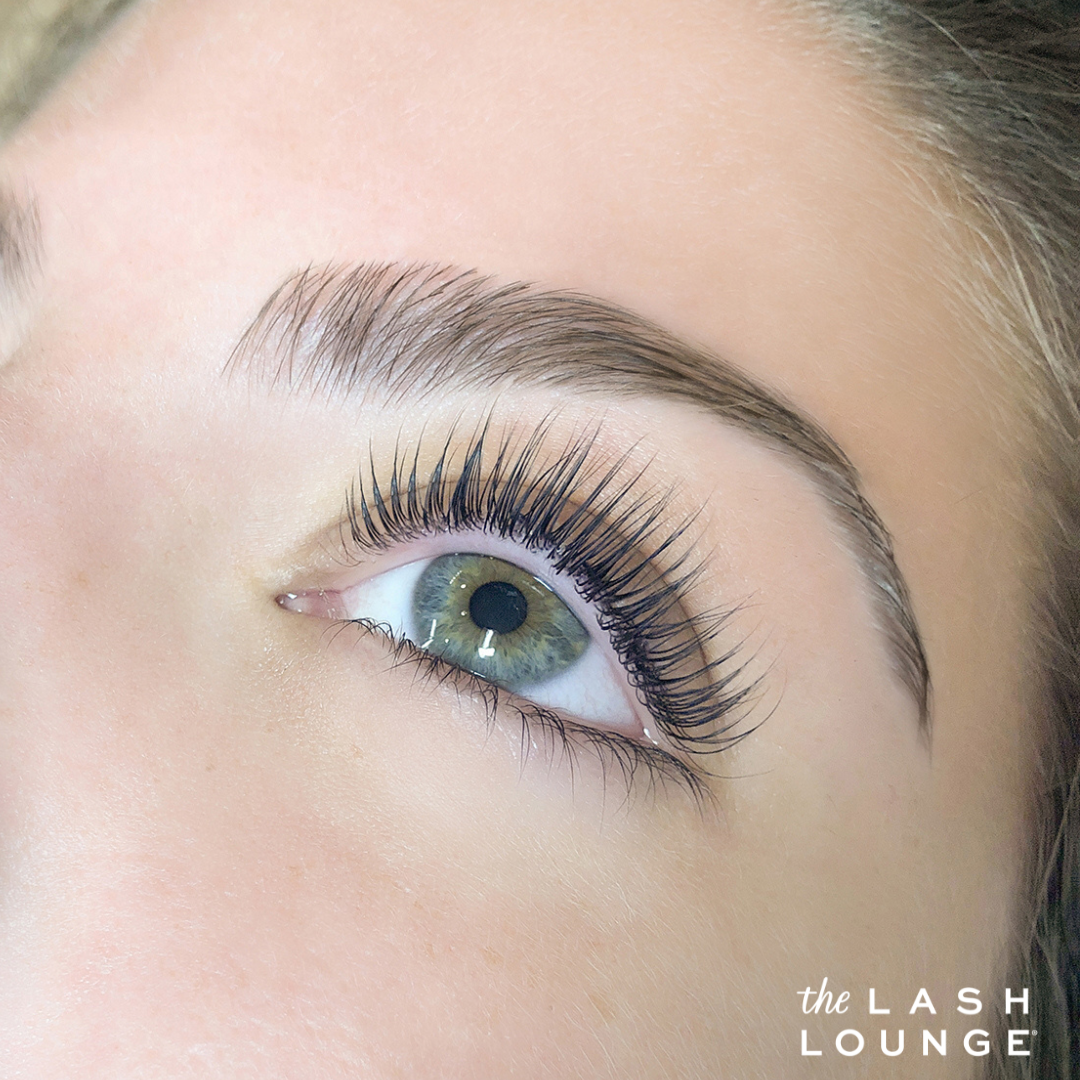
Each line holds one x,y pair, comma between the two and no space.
545,731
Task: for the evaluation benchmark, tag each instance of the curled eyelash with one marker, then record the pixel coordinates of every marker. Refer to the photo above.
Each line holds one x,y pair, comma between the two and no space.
603,528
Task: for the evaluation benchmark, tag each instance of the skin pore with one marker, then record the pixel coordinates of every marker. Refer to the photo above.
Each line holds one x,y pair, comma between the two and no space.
237,840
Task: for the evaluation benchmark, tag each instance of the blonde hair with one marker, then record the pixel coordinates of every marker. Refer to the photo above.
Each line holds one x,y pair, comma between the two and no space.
39,41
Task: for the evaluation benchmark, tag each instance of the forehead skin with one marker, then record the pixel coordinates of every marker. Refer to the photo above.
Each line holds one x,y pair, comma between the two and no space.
708,165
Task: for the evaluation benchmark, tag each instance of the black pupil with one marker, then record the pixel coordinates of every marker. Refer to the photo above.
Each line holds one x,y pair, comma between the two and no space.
498,606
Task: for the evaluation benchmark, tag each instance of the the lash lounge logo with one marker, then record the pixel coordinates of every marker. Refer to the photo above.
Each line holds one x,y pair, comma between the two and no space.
925,1032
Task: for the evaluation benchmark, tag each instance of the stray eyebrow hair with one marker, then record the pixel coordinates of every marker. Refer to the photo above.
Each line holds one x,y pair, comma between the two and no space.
408,329
20,261
20,244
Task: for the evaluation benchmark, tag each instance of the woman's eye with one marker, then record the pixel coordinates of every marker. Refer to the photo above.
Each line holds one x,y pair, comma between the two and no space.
558,578
506,626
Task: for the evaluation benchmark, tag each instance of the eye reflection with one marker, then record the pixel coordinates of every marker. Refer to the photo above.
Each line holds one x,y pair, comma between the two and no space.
495,620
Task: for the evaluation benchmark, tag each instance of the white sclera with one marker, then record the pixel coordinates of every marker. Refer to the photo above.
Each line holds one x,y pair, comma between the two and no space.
591,690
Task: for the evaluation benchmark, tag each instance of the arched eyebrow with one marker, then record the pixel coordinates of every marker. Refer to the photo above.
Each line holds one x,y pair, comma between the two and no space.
422,329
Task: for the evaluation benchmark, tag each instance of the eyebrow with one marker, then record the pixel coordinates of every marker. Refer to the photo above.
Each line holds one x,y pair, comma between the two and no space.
415,329
20,241
20,261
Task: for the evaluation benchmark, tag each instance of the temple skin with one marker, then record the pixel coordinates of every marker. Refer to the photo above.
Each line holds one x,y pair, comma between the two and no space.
236,843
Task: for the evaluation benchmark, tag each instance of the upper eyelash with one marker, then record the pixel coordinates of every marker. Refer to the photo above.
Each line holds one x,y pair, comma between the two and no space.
593,525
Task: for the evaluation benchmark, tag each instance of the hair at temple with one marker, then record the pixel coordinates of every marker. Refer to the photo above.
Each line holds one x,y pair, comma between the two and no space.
20,257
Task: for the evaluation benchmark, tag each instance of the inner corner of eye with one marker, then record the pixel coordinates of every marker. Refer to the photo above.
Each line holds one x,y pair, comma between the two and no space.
503,624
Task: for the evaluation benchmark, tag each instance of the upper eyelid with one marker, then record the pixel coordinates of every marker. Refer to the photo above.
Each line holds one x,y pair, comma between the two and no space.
569,476
611,476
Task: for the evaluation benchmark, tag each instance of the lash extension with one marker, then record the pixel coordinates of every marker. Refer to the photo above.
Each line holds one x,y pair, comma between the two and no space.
596,526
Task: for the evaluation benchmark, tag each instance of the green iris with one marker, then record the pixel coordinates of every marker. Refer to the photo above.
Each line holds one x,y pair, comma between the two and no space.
495,620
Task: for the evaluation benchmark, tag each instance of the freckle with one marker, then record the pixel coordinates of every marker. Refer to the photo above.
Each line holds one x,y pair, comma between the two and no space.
492,958
607,1013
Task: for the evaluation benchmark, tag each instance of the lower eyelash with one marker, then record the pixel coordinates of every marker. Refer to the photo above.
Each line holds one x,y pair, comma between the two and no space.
593,524
563,738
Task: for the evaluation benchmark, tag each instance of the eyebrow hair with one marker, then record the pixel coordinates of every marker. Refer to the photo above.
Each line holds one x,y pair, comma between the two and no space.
20,261
20,241
408,329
